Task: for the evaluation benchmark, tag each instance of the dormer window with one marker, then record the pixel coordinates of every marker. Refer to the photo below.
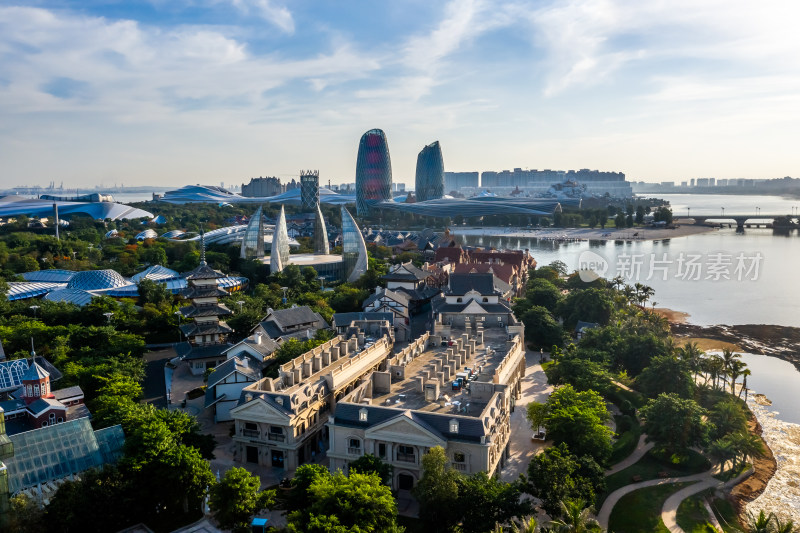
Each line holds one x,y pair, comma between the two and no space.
362,415
454,426
459,299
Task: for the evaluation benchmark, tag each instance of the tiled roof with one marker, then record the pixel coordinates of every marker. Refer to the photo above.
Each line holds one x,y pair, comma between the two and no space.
67,393
461,284
43,404
294,316
188,352
230,366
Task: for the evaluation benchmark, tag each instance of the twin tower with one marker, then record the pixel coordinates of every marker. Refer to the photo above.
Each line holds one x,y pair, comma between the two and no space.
374,172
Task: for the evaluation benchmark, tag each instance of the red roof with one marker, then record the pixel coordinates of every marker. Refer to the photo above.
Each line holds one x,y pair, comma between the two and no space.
502,271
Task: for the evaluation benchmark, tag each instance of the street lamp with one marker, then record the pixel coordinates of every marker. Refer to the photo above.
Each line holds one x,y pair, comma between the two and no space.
241,303
108,316
688,212
178,318
723,211
284,289
34,308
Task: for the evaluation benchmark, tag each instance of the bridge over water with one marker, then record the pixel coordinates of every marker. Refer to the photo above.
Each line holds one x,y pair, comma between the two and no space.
741,221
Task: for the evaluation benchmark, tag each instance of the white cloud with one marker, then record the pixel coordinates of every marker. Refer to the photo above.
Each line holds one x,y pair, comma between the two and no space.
280,16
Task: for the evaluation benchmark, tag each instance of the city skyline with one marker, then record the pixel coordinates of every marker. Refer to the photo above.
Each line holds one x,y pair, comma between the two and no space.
147,93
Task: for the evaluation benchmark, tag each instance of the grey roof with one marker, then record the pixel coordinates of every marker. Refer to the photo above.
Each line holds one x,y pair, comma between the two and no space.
230,366
413,273
425,293
187,352
78,297
344,319
267,346
461,284
441,306
294,316
69,392
269,399
469,428
43,404
35,372
203,272
395,295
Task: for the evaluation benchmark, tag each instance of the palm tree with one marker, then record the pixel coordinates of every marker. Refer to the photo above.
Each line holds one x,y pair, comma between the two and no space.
716,368
728,357
576,518
734,371
693,356
760,523
722,451
526,525
746,372
618,282
629,293
785,527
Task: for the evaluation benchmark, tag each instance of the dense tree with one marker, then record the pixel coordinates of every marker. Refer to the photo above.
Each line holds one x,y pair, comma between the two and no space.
485,501
665,374
674,423
576,517
578,419
237,497
590,305
726,417
556,475
541,329
298,497
371,464
543,293
358,503
536,413
437,492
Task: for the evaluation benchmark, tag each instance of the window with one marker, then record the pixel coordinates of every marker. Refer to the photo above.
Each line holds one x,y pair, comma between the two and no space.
44,423
354,446
382,450
277,430
486,299
36,390
459,457
30,391
406,454
60,419
362,415
454,426
276,434
459,299
250,425
250,429
52,417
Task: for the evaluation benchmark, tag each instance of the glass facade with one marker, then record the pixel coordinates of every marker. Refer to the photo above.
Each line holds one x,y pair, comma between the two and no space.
279,257
309,189
253,241
321,246
55,452
354,249
430,173
373,171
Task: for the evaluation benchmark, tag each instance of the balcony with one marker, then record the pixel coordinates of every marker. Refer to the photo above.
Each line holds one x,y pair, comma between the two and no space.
278,437
407,457
459,466
254,433
354,451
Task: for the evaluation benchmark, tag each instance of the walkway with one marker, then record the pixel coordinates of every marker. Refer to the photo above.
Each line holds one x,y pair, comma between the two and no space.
669,512
642,448
605,512
522,449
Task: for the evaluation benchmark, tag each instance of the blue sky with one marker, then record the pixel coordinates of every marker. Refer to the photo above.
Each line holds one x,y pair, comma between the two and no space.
204,91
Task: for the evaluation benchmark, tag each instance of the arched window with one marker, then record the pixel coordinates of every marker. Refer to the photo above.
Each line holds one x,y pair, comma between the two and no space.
30,391
36,390
459,299
486,299
44,423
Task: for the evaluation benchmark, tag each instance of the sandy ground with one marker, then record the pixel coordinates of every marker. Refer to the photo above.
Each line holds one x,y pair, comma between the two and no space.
675,317
782,495
588,234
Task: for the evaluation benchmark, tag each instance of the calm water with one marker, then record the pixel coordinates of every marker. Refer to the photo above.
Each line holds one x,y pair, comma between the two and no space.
767,293
778,380
712,204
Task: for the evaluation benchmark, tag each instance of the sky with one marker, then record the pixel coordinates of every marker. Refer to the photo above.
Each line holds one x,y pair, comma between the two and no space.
172,92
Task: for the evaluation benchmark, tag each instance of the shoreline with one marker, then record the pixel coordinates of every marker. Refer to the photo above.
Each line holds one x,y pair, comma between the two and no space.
586,234
781,494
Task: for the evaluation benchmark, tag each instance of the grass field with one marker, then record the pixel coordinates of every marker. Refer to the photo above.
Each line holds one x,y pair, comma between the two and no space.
693,518
640,511
650,466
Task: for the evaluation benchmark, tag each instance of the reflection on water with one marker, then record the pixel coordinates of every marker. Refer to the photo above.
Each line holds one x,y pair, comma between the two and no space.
778,380
771,298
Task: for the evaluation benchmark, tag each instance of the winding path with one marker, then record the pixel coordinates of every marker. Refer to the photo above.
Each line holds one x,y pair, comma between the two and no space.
642,448
605,512
669,512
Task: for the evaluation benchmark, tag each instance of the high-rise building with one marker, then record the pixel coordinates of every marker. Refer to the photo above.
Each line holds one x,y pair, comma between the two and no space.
430,173
253,241
320,234
259,187
279,257
373,171
354,249
309,189
455,181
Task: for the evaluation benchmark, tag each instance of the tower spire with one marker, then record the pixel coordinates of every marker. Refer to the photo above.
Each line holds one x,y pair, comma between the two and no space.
202,246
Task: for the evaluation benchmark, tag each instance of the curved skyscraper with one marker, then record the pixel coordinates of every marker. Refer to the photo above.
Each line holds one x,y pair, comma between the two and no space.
354,249
373,171
253,241
430,173
279,257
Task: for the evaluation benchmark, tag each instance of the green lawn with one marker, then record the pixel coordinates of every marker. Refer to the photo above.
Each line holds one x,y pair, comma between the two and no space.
629,431
693,518
640,511
649,467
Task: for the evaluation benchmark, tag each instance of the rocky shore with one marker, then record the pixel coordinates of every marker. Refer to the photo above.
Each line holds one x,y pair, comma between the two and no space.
778,341
781,494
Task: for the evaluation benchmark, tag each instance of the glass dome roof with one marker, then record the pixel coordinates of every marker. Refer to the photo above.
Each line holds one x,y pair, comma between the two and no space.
96,279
